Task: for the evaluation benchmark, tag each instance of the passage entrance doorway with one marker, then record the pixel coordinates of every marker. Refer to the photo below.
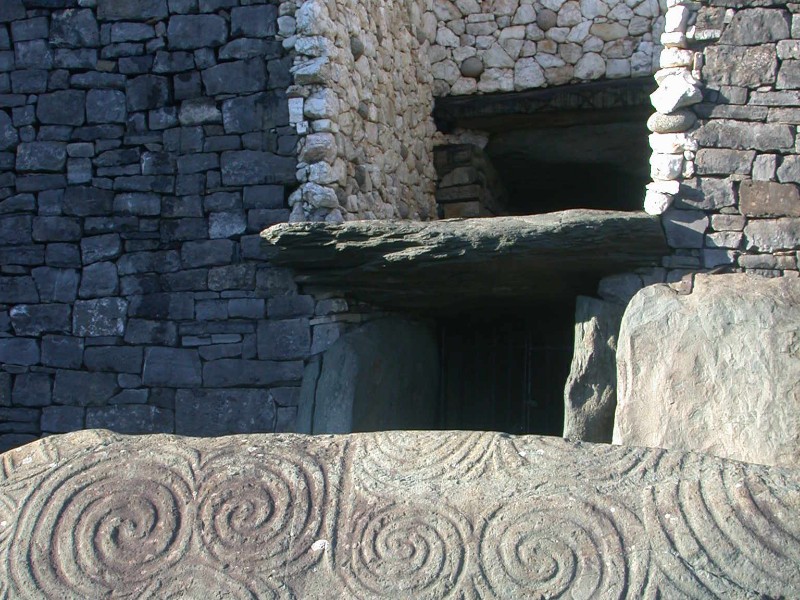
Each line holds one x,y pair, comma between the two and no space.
505,373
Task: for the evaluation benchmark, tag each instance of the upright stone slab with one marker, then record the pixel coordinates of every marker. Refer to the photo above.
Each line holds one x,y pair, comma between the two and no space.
590,396
384,375
714,370
416,515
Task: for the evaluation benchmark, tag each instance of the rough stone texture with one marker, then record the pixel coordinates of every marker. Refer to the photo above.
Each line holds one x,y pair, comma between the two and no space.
160,516
112,182
383,375
376,104
714,370
447,263
590,394
481,48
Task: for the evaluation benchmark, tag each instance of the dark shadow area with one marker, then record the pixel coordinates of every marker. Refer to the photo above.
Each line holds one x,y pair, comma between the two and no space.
506,372
545,169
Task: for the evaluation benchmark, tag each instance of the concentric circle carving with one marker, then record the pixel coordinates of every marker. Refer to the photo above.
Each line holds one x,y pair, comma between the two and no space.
445,456
262,511
599,463
198,580
726,532
107,522
557,546
404,551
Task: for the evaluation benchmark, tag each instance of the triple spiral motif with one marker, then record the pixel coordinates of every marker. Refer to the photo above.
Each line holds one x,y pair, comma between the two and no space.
94,526
132,524
486,517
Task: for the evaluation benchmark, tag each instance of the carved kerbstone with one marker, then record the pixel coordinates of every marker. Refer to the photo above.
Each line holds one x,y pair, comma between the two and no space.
390,515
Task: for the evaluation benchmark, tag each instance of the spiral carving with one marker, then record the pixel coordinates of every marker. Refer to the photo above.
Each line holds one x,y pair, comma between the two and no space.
100,524
728,531
404,551
262,511
199,580
444,456
558,546
600,463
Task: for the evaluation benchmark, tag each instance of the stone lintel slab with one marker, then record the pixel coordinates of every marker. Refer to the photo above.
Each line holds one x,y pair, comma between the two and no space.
390,515
457,263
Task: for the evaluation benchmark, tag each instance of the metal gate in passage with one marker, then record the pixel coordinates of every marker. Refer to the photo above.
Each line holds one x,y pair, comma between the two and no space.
505,374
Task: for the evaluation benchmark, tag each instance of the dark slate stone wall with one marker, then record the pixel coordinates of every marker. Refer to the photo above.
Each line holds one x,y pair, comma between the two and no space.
143,146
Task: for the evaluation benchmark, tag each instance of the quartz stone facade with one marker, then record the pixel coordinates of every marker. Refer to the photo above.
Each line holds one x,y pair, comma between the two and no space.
513,45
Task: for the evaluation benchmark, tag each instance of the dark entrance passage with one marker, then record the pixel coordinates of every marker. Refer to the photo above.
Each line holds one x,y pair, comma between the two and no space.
544,169
580,146
506,373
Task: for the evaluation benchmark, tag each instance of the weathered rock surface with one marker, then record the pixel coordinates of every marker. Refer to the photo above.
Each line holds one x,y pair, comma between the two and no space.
384,375
461,261
390,515
716,370
590,395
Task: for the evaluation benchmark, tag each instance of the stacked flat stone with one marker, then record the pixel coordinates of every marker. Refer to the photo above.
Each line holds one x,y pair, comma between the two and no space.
725,164
524,44
362,104
679,86
143,146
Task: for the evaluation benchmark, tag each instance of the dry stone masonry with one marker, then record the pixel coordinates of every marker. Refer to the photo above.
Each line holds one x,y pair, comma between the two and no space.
362,103
513,45
143,146
725,136
390,515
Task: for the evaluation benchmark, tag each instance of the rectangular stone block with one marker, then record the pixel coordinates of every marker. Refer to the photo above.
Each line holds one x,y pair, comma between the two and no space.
744,136
284,340
189,32
115,359
62,351
100,317
125,10
79,388
754,66
19,351
161,306
251,167
769,199
131,419
713,161
250,373
769,235
207,253
16,290
5,389
56,229
172,367
160,333
223,412
36,319
62,419
32,389
64,107
56,285
237,77
685,228
41,156
254,21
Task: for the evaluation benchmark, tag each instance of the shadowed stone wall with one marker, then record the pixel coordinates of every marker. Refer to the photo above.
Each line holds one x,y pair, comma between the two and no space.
143,145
